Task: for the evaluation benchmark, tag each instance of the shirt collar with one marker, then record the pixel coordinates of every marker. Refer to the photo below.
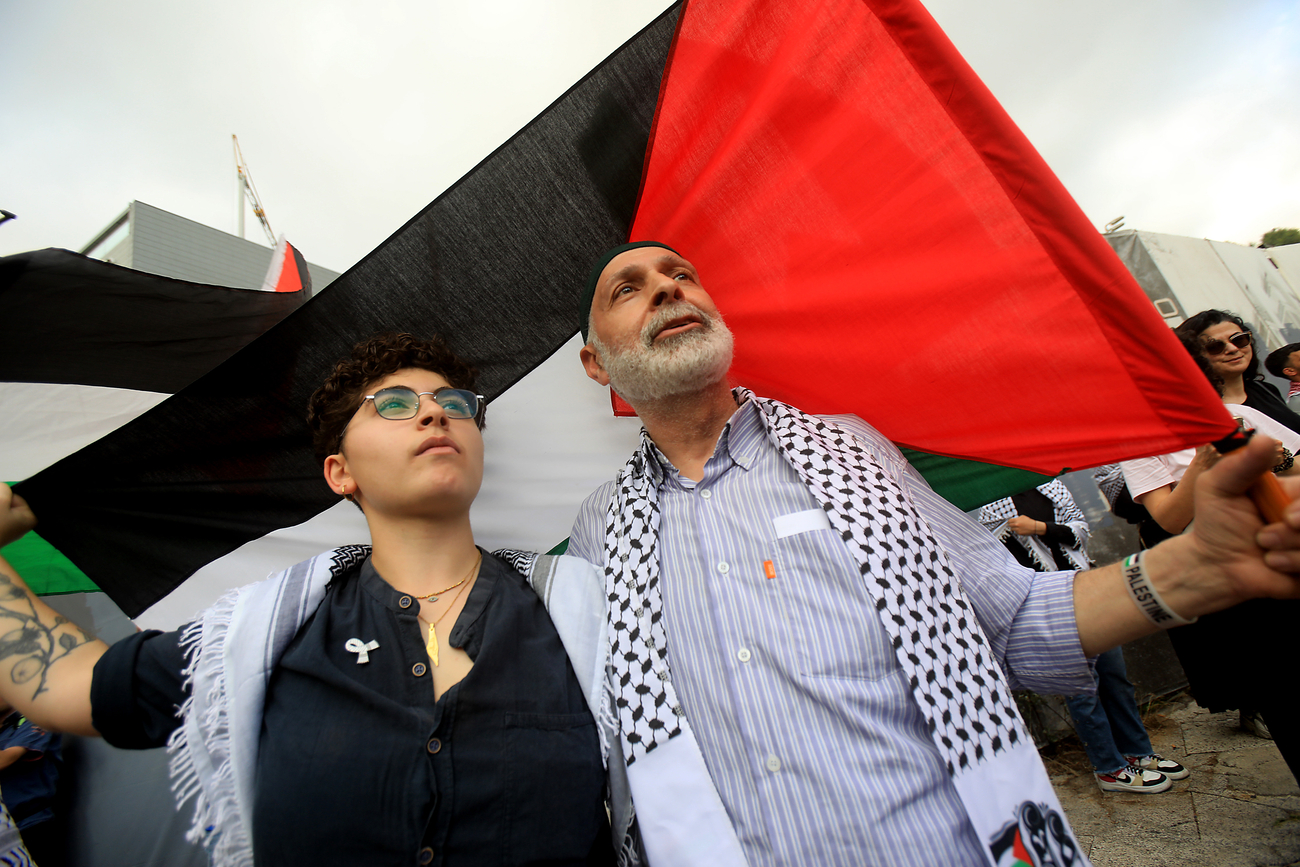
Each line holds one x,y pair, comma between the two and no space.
739,441
479,594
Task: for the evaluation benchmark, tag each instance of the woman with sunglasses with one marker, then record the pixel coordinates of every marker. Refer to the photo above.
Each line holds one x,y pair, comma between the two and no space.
1163,484
407,704
1229,347
1228,656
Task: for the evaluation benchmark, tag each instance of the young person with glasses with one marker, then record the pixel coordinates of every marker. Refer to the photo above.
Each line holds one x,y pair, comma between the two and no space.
410,703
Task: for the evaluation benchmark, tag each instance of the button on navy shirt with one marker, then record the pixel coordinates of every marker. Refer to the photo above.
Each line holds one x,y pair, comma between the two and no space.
358,764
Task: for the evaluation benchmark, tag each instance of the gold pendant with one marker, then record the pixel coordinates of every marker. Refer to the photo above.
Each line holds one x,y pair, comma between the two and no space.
432,645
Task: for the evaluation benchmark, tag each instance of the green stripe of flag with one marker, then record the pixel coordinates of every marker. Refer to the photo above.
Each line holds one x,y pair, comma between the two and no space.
46,571
970,484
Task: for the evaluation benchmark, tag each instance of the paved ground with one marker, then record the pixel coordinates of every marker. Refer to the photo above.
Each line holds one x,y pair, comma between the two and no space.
1239,808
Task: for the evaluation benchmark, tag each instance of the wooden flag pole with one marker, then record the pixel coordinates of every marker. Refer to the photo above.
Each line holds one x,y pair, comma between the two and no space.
1269,498
1266,492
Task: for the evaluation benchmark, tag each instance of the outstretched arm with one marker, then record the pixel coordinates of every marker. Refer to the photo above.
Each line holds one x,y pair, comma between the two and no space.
1228,557
46,660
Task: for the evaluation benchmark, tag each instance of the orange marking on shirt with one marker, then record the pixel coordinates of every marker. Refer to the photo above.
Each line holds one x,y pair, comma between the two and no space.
769,569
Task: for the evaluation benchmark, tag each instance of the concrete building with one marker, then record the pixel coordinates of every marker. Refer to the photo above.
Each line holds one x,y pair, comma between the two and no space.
159,242
1183,276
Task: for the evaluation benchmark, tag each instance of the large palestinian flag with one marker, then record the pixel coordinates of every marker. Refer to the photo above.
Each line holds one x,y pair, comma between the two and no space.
880,236
90,345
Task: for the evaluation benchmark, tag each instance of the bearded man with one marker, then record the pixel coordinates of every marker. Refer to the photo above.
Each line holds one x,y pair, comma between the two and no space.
811,651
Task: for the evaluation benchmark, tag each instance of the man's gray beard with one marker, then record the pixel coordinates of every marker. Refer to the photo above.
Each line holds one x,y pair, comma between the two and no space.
684,364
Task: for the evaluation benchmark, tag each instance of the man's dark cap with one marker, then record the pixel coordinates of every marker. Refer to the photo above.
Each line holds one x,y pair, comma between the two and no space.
589,291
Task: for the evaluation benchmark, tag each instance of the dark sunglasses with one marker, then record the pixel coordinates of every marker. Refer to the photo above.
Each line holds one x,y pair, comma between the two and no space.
1216,346
399,402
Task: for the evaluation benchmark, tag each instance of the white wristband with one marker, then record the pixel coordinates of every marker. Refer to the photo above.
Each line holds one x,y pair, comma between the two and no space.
1145,596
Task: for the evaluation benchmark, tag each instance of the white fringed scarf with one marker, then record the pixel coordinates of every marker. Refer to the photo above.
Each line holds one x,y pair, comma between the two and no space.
232,649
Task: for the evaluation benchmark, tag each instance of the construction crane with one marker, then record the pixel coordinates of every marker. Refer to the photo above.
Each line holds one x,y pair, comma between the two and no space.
247,192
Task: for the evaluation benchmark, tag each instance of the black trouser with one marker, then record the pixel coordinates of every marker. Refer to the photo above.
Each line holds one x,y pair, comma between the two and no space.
47,843
1284,725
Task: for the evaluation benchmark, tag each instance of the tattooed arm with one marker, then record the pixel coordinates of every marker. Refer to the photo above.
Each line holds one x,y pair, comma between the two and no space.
46,660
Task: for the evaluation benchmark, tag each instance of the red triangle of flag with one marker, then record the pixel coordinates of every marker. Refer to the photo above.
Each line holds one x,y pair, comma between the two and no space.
883,240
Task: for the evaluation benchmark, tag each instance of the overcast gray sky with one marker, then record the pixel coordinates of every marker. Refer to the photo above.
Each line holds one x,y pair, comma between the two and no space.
1181,115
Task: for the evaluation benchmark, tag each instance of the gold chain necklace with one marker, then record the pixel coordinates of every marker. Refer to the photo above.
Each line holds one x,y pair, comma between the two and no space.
431,643
433,597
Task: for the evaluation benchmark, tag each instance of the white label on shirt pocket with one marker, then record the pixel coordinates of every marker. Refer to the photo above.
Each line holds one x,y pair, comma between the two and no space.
800,522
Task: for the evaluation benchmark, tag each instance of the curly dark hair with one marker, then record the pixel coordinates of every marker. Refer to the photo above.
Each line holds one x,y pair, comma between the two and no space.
1192,343
333,404
1194,325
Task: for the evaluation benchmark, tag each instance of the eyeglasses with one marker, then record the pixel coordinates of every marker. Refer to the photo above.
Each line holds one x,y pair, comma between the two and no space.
399,402
1216,346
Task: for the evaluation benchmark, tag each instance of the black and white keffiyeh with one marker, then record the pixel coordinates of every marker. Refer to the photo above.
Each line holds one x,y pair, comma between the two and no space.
1064,512
1110,479
954,677
648,710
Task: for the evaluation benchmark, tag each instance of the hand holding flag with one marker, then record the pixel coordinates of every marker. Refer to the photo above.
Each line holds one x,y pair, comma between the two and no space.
1229,555
16,517
1260,558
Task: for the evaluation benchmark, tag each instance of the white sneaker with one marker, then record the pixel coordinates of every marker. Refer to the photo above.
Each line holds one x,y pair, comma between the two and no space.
1160,765
1133,779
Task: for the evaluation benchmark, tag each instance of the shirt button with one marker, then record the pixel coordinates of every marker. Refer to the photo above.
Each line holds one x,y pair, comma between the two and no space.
706,494
405,602
723,568
419,669
434,746
773,763
426,855
743,654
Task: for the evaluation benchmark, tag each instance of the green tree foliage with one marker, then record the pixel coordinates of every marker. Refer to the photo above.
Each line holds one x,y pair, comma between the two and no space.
1278,237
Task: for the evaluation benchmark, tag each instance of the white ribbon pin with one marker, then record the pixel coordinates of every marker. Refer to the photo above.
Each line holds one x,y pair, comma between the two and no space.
362,651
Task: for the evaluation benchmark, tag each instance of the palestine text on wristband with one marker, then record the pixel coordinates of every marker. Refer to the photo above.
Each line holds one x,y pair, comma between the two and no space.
1145,596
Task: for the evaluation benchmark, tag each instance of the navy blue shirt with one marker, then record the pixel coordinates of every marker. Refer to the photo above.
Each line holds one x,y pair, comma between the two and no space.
358,764
28,784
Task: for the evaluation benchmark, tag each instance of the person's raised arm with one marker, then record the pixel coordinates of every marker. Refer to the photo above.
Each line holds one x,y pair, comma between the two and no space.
46,660
1229,556
1172,506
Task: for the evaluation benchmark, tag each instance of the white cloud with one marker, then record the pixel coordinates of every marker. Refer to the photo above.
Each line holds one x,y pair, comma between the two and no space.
1180,116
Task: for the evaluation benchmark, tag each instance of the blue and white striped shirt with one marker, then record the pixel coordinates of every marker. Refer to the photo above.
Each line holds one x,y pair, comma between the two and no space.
802,713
